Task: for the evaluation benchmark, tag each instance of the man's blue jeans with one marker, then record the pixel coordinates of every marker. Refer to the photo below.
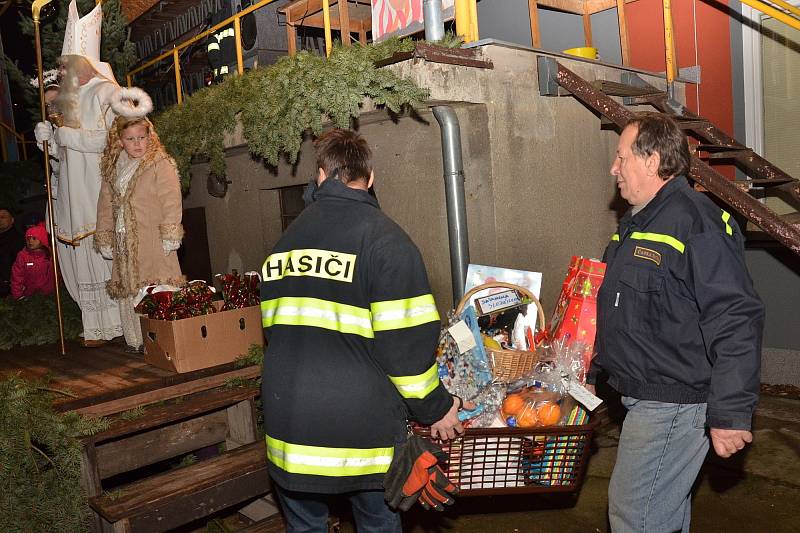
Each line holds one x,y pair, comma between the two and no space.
661,450
308,512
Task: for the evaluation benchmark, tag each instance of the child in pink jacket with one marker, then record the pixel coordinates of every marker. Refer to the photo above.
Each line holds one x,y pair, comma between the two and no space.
32,272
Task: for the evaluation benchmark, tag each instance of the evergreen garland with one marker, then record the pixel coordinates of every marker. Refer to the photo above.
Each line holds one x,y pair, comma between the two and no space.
41,461
115,48
278,104
33,321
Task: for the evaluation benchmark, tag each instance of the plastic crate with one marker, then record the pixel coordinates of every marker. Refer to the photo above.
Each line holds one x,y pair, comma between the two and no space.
494,461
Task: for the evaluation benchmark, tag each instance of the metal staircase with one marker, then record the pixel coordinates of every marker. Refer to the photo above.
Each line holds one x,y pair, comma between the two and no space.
557,80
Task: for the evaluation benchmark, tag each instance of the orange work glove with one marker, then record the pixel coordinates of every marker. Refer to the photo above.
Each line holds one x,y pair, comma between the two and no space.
438,491
418,477
410,471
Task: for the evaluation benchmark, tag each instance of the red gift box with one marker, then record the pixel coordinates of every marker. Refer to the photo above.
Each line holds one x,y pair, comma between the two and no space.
575,316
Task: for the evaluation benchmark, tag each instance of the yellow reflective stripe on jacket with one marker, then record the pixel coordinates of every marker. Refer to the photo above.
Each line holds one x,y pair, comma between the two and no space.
725,218
615,237
322,461
212,46
313,312
405,313
659,237
417,386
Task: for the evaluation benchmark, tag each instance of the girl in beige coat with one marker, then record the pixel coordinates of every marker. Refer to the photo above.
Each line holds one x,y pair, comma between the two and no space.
138,217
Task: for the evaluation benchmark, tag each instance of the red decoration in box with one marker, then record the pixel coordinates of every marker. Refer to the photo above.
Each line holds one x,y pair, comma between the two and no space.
194,299
240,291
575,316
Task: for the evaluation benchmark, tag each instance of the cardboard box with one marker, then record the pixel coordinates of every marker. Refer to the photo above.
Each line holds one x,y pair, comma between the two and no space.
201,341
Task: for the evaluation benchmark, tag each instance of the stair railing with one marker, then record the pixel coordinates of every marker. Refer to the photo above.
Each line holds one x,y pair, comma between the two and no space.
175,52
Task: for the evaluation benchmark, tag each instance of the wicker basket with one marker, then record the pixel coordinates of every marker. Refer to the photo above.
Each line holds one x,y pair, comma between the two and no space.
497,461
508,364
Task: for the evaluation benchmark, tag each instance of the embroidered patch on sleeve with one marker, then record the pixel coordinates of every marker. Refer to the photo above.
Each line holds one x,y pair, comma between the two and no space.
647,253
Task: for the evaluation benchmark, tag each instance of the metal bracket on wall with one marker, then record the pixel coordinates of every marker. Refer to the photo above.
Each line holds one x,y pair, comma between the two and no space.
547,68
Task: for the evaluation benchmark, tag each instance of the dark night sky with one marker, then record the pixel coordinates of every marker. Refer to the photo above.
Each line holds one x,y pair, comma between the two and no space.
19,48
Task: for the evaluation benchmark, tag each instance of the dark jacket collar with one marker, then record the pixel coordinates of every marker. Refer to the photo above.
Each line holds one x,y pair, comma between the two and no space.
335,189
643,217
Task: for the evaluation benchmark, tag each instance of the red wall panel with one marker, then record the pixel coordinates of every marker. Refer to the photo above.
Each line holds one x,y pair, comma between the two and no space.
702,37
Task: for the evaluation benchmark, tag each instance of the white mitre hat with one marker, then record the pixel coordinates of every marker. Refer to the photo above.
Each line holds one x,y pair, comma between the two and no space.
82,38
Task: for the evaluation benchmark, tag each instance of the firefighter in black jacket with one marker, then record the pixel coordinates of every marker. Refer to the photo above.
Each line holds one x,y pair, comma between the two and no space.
678,331
351,328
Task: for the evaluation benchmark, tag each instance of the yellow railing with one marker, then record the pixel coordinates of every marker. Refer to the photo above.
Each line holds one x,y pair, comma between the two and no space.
788,14
466,15
175,52
792,18
20,139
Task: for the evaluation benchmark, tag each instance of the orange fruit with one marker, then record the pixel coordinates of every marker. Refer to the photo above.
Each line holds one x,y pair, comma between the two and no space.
528,418
549,413
512,404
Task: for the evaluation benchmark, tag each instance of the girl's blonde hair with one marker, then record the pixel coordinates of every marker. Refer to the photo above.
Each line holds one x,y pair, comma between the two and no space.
108,163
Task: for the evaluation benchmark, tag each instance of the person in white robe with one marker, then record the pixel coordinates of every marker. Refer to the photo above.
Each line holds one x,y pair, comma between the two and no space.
88,89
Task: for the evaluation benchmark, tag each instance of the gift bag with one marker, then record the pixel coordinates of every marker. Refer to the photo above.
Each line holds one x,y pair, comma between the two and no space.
575,316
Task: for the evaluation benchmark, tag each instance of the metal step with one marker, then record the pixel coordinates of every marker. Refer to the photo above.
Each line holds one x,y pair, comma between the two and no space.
553,76
615,88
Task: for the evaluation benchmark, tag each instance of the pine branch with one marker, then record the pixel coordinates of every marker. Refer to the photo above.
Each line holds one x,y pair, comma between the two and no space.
59,391
279,105
36,448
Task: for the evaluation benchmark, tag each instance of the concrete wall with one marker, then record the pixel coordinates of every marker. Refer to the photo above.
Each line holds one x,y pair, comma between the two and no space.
536,170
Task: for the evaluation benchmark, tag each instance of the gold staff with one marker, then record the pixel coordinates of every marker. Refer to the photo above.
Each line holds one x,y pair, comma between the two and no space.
35,10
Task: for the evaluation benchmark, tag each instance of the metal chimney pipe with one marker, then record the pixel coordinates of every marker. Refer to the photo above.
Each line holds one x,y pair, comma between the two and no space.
455,197
432,16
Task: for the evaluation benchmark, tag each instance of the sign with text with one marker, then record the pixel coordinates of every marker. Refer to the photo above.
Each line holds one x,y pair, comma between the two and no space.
499,301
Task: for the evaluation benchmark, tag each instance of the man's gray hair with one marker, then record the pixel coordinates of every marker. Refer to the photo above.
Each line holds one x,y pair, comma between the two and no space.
660,134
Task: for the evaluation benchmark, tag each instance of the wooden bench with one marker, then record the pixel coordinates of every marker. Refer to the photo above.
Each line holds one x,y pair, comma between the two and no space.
169,430
182,495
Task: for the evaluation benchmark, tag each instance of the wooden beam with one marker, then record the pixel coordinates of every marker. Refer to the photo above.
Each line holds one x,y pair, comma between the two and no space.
595,6
624,43
533,12
291,39
570,6
344,23
316,21
587,28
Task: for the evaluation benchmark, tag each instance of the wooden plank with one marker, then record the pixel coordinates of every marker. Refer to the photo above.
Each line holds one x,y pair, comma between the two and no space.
624,42
192,406
186,508
130,453
241,424
167,393
122,526
90,481
148,496
163,379
533,13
